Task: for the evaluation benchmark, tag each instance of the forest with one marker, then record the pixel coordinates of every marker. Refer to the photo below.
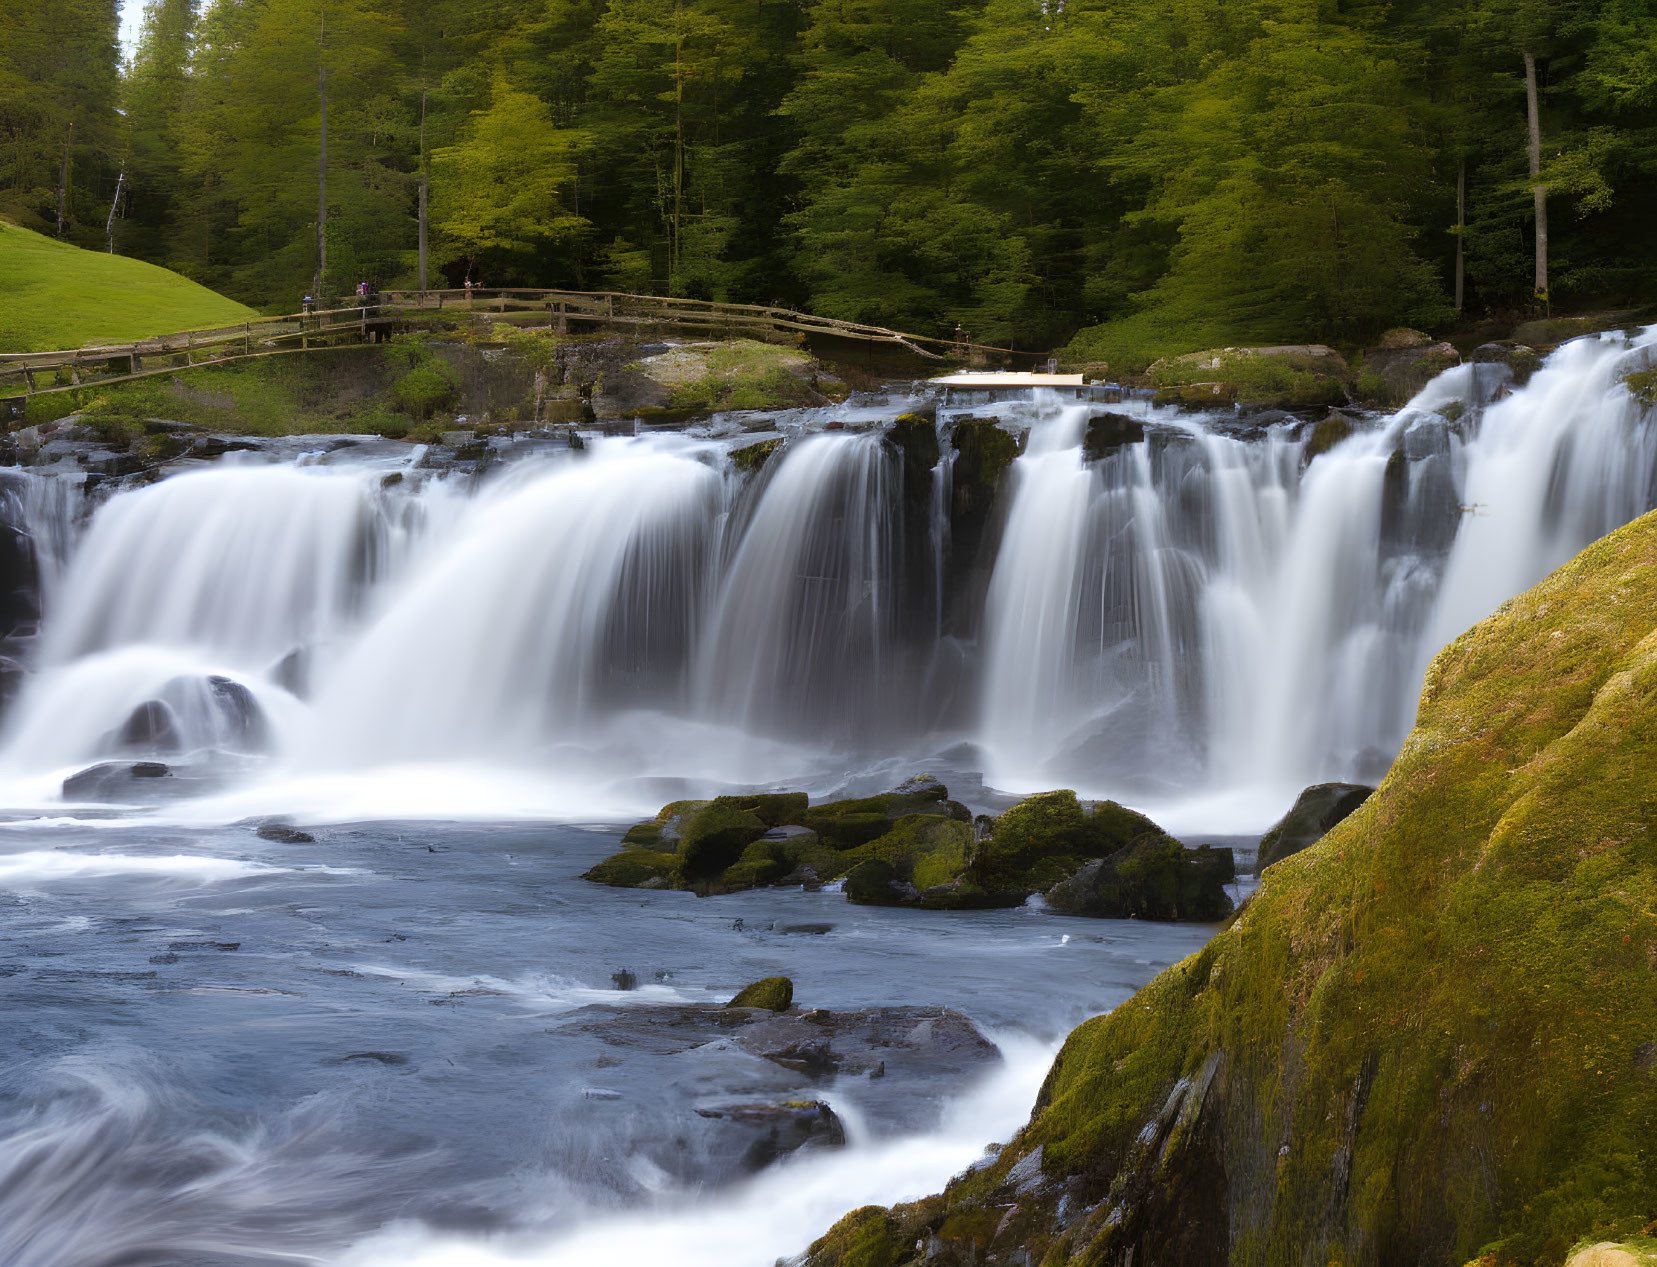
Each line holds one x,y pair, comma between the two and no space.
1130,178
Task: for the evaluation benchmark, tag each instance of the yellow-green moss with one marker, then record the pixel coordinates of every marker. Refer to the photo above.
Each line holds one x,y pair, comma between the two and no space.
775,994
1643,386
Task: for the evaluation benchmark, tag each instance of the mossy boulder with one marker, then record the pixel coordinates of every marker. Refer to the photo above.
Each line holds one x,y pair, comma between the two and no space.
1047,837
1109,433
867,1237
750,458
775,994
1523,361
1326,435
1155,877
1390,376
1429,1038
1316,810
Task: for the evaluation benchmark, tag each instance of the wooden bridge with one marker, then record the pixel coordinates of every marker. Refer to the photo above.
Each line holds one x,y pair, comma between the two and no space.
25,374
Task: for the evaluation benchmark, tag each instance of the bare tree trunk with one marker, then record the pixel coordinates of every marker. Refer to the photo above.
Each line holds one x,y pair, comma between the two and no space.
1533,116
1461,231
425,184
678,161
322,161
109,225
63,178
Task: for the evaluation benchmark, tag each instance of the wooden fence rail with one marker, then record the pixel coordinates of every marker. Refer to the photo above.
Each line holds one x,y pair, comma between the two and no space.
24,374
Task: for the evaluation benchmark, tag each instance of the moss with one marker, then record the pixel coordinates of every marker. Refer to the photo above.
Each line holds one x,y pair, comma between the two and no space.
873,882
774,994
634,868
1642,385
1436,1023
715,837
868,1237
752,457
1326,435
1045,838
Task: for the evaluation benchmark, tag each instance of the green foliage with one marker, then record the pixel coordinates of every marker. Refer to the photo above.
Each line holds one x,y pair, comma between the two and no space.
426,388
54,295
500,187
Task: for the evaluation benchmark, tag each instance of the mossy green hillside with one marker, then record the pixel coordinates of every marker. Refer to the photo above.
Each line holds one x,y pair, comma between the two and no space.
1429,1038
53,295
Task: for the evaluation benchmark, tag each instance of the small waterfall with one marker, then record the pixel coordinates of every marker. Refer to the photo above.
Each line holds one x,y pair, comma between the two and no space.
245,561
1031,618
799,636
566,598
1179,607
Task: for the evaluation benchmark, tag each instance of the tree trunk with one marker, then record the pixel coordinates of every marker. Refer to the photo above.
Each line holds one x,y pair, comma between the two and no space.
322,161
678,161
1461,231
1534,119
425,184
109,225
63,178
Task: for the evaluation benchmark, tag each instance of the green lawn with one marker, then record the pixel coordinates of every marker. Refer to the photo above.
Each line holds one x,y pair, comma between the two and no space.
53,295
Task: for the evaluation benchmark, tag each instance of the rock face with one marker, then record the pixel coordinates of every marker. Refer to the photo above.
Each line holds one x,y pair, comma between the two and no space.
1427,1040
1315,811
913,846
1390,375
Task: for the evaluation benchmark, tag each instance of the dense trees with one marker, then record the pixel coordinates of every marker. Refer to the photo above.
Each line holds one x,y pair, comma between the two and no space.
1161,176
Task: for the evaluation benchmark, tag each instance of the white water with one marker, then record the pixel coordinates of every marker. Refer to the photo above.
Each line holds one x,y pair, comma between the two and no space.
771,1217
1199,623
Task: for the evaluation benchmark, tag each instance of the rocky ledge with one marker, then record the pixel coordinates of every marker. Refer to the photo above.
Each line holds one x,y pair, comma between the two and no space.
913,846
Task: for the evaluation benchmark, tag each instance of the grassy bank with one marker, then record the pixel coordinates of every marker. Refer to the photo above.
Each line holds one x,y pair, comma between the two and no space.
53,295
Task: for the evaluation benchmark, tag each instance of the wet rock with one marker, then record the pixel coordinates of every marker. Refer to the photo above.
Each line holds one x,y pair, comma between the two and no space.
293,672
774,994
1108,433
218,446
1156,877
1316,810
1326,435
284,834
779,1129
1522,360
244,725
19,582
115,781
151,727
751,458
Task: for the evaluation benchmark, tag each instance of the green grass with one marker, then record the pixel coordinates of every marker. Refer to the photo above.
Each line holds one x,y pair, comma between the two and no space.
53,295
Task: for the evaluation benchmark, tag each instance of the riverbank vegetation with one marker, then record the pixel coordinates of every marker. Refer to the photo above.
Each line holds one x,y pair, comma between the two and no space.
1139,180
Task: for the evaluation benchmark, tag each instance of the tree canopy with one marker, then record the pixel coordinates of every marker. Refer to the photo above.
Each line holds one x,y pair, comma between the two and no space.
1157,177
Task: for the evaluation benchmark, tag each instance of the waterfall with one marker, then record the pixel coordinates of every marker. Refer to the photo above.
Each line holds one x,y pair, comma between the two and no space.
1166,607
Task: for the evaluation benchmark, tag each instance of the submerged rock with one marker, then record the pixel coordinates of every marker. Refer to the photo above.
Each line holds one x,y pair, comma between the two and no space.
151,727
117,781
1316,810
780,1129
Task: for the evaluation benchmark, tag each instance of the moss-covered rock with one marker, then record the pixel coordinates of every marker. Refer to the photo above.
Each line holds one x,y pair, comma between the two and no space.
636,869
1316,810
1429,1038
1045,838
1326,435
1642,385
775,994
868,1237
1155,877
750,458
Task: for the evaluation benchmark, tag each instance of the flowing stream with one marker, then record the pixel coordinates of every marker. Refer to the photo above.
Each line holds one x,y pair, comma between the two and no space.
379,1047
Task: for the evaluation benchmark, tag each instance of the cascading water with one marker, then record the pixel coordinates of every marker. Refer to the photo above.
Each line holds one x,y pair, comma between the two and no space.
398,1042
1184,608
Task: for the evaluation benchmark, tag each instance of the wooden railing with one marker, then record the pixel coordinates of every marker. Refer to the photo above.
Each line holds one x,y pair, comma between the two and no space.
25,374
